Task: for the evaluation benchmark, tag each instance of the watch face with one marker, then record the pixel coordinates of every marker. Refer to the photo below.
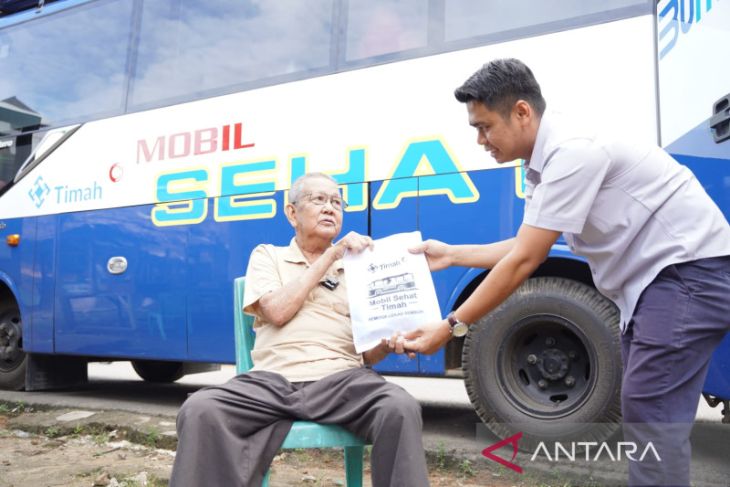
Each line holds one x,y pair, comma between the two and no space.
460,329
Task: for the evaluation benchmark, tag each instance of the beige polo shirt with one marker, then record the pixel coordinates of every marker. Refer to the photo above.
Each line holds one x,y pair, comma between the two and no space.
317,341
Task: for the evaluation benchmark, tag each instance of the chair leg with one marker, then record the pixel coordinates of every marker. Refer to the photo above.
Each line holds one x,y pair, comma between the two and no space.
353,465
265,482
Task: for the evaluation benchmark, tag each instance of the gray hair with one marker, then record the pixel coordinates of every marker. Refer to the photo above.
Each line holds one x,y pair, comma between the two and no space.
295,192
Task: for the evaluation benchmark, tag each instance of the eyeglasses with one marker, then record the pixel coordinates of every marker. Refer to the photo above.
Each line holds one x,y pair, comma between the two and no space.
321,199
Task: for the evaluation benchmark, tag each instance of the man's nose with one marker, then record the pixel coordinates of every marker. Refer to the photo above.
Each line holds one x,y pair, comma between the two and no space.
481,138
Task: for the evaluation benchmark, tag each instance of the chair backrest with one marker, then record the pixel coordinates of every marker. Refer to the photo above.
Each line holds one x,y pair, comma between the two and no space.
244,328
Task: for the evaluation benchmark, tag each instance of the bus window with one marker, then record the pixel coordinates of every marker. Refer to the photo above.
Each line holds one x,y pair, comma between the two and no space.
379,27
188,48
475,18
13,151
42,143
68,65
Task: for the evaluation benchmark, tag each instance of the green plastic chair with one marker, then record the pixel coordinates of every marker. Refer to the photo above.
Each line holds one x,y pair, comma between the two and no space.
303,434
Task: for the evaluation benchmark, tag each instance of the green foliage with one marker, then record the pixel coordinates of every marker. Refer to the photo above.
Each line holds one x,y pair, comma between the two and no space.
101,438
151,438
441,459
466,469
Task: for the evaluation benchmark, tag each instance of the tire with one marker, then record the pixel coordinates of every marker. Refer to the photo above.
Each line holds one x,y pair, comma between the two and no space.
13,359
158,370
547,363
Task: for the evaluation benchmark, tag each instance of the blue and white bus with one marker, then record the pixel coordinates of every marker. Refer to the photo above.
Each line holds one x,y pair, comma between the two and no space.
146,146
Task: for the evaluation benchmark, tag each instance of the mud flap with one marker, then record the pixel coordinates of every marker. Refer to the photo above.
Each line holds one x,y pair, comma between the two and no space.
44,372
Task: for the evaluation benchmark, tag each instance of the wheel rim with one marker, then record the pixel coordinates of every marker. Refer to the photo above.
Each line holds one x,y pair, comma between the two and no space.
547,367
11,341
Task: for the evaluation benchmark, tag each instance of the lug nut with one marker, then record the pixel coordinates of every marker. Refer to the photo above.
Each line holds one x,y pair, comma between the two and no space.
542,384
570,381
550,341
531,359
572,354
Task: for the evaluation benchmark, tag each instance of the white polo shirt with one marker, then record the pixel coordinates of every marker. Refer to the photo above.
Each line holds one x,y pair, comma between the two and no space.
629,209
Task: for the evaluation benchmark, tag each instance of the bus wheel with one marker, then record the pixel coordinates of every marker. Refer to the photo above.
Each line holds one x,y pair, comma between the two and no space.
547,363
12,357
158,370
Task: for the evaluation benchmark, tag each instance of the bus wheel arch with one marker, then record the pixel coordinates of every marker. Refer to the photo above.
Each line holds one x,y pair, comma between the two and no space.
569,268
546,363
13,360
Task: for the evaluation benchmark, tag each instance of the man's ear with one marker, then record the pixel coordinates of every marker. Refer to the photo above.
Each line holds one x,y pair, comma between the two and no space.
290,211
522,110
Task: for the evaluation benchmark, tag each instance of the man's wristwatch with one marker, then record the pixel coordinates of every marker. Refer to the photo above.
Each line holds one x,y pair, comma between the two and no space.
458,328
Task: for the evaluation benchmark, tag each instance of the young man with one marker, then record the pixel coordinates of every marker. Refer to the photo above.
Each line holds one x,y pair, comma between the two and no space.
305,364
657,246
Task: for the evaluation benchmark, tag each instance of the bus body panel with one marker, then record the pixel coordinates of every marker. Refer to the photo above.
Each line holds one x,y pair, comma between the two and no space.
692,76
718,372
42,312
713,174
141,158
415,158
138,313
16,272
18,257
162,188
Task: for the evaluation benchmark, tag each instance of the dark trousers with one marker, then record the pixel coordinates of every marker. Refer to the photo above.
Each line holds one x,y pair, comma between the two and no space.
229,434
680,319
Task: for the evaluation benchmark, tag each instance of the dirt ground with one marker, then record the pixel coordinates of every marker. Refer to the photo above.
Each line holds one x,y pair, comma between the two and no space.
38,453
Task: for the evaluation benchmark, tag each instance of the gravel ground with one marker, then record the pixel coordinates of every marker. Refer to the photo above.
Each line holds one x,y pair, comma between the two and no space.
60,447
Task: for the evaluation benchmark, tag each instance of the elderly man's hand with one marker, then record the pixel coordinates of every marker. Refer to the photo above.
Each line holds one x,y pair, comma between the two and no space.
354,242
429,338
393,345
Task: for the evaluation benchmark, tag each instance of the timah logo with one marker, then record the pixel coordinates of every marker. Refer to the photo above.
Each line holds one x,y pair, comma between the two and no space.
39,192
512,440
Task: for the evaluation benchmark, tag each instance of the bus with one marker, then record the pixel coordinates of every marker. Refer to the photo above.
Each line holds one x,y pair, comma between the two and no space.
391,284
146,146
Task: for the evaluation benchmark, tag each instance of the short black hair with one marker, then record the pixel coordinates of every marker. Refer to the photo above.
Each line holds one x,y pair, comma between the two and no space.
499,84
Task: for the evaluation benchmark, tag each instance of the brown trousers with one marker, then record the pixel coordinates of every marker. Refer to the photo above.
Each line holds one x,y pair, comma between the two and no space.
228,435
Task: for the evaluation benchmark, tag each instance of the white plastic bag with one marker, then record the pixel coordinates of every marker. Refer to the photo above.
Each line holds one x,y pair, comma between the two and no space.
389,290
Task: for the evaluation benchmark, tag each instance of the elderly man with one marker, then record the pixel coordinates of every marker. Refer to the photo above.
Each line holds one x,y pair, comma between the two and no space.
305,364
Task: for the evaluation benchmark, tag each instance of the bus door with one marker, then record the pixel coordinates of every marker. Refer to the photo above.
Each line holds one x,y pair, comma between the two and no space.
120,290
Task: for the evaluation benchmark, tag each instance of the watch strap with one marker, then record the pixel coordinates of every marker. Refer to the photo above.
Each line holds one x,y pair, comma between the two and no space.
453,321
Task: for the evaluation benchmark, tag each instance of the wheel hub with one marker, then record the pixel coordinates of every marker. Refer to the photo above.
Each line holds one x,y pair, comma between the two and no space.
545,366
553,364
9,341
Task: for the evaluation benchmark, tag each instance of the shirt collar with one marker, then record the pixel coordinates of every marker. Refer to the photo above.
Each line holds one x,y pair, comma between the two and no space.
537,158
294,254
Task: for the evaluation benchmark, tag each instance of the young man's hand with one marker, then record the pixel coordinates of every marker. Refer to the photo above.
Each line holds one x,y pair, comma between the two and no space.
386,346
438,254
428,338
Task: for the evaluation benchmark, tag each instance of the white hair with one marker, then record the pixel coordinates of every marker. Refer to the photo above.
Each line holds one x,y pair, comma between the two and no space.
295,192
